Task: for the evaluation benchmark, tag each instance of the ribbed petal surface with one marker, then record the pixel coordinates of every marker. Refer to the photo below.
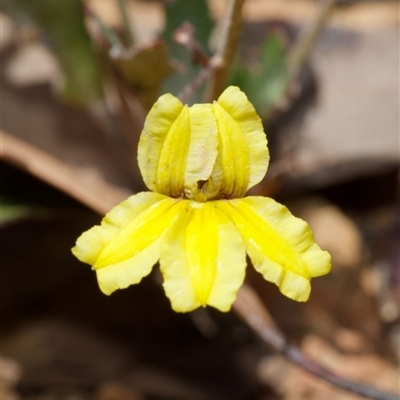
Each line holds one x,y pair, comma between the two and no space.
202,152
249,126
178,147
125,247
202,259
168,115
205,151
280,246
231,264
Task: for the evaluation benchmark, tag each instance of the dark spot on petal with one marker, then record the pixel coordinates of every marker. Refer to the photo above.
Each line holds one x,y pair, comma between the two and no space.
201,183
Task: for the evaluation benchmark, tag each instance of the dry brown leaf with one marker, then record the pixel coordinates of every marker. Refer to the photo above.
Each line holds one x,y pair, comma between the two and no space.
83,184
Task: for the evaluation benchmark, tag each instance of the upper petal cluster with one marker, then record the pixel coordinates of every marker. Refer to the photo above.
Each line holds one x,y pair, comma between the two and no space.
207,151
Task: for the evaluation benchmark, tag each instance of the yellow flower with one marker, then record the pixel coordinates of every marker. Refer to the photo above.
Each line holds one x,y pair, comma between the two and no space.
199,162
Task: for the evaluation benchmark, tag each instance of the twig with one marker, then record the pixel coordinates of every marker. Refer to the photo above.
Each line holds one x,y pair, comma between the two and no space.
125,20
108,33
196,82
217,68
185,36
307,41
226,50
250,309
93,190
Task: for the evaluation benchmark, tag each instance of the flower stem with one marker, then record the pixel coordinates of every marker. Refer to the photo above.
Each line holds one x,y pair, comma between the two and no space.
307,41
185,36
226,50
251,310
196,82
125,20
107,32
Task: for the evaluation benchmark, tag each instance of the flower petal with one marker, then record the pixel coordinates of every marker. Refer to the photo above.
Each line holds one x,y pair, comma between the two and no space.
130,271
296,231
202,153
174,266
139,233
202,259
164,144
280,246
202,248
231,264
193,242
171,165
236,104
192,151
124,248
234,164
295,286
178,147
90,244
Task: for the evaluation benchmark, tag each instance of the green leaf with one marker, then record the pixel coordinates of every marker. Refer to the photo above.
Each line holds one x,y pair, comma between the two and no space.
12,211
265,83
63,24
196,12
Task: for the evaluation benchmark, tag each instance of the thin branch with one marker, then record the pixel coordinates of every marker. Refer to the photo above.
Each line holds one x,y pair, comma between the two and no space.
126,22
107,32
249,307
93,190
185,36
196,82
307,41
217,68
226,50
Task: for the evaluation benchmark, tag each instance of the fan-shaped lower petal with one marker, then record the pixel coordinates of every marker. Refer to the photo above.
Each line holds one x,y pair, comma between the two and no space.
130,271
91,243
231,264
281,247
202,259
126,245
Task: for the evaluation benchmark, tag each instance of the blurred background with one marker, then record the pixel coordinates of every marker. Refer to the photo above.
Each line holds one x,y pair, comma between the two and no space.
77,80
